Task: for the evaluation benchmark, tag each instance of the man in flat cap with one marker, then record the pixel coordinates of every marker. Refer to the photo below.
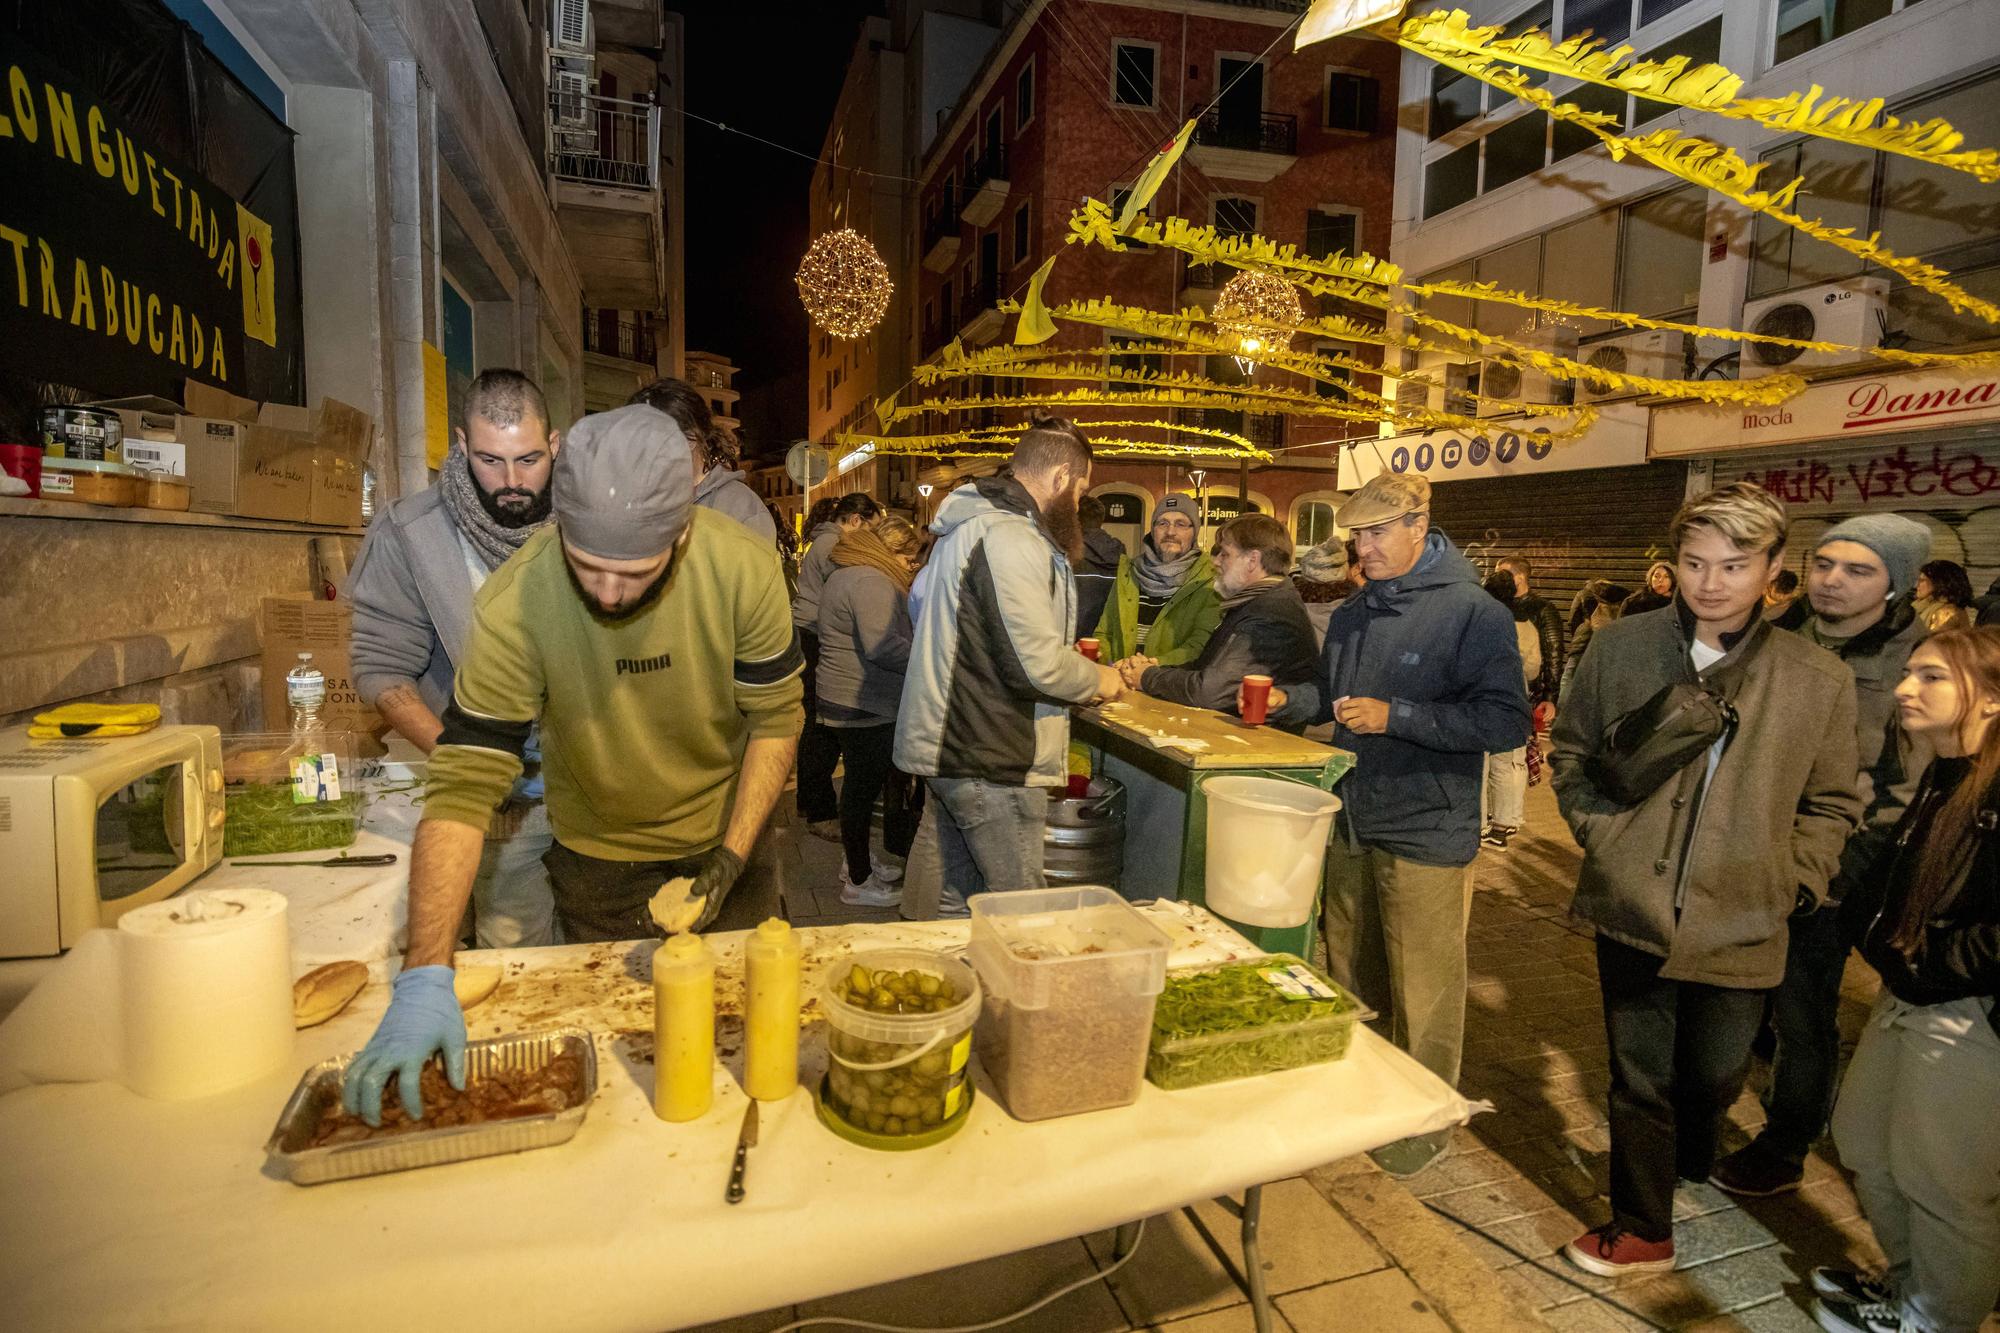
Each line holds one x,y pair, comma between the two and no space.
1421,675
653,640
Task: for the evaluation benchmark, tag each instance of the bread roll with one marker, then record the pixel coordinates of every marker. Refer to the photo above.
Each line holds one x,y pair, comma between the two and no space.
473,982
325,991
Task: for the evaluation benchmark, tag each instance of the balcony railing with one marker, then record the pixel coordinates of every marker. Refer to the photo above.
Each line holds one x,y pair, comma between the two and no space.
1265,133
628,340
981,297
991,166
942,225
604,140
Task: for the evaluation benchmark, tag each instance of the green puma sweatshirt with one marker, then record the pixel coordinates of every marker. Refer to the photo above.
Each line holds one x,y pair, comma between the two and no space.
643,721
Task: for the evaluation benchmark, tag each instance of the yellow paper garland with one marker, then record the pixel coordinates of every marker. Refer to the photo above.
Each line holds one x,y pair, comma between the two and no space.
1706,87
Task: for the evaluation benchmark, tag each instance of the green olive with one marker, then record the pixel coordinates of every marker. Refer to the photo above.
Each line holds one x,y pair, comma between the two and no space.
931,1064
933,1112
903,1106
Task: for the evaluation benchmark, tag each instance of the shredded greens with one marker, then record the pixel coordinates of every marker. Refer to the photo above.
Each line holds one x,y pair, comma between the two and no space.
1230,1021
264,820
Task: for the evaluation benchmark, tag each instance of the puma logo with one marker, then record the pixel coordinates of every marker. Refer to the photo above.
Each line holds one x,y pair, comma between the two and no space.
634,666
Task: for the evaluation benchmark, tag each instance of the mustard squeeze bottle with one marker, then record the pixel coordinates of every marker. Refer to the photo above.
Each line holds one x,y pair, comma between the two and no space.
683,1029
771,1012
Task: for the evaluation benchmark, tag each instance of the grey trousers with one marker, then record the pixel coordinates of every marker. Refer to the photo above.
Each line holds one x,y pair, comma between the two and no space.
1395,936
989,835
1915,1124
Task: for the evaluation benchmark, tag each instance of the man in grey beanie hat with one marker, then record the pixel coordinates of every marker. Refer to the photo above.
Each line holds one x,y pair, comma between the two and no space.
653,640
1857,606
1163,604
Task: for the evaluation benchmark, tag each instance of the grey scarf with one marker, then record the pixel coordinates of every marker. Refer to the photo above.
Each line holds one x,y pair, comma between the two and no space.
1159,576
491,540
1257,589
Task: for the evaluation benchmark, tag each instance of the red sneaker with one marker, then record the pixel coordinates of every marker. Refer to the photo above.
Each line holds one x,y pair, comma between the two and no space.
1612,1251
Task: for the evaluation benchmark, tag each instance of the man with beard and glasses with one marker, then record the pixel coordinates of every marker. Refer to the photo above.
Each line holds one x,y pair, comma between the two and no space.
993,663
1163,601
412,588
652,640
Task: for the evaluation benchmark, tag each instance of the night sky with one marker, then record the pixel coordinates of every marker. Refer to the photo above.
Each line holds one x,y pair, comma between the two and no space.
774,71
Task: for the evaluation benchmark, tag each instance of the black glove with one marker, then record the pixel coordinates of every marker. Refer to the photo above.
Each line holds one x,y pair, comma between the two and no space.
1806,905
720,869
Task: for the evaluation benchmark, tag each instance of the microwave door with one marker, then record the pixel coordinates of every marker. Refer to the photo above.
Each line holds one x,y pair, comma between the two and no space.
145,830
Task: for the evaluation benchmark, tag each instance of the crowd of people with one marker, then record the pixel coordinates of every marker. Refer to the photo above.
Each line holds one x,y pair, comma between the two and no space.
614,673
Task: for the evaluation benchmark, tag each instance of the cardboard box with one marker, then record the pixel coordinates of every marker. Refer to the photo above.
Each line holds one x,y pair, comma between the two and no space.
288,626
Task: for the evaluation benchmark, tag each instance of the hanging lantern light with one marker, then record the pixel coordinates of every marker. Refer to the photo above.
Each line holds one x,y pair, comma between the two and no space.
843,283
1258,311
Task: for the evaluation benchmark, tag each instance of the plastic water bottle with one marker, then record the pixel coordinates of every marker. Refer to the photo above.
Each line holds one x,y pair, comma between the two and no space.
305,690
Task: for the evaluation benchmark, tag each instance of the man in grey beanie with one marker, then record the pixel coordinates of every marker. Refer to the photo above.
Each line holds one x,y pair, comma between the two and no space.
653,640
1857,606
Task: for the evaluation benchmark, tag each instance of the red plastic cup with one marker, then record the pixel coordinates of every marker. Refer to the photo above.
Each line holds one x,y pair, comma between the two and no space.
1079,786
1088,647
23,461
1256,699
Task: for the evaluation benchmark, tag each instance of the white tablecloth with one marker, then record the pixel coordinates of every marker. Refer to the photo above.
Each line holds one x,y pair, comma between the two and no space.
124,1213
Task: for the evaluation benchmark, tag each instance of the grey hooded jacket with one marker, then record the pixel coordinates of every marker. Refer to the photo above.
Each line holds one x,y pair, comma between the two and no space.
724,490
814,566
993,669
864,648
412,599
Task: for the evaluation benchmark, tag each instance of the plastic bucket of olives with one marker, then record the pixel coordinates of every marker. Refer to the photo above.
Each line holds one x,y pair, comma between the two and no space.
899,1036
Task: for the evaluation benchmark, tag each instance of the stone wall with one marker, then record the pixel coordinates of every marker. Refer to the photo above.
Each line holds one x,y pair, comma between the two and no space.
102,610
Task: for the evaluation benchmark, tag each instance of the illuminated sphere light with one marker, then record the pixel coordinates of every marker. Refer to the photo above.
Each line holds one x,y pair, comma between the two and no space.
1258,310
843,283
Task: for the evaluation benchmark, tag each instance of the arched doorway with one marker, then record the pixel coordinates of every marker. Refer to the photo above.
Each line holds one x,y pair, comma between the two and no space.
1311,521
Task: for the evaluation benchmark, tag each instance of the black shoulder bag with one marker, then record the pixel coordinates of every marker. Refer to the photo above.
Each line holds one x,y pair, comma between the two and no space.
1645,748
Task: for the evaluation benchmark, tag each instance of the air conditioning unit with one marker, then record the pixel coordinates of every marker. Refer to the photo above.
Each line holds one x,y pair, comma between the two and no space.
569,93
1854,312
1502,384
1660,354
1461,386
570,26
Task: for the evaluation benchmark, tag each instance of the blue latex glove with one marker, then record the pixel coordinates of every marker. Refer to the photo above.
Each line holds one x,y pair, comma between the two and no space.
423,1017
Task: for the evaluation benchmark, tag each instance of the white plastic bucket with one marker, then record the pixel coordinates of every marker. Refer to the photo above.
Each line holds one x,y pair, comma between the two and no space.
1266,848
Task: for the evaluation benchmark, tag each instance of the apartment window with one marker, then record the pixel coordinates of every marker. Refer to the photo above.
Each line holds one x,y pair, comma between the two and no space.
1235,216
1136,361
1662,252
1021,234
1312,523
1024,95
1921,211
1451,180
1332,233
1482,140
1350,101
1135,73
1119,194
930,315
1806,24
1336,377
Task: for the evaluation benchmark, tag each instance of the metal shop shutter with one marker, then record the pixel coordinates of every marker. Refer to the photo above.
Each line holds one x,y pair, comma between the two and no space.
1603,523
1948,482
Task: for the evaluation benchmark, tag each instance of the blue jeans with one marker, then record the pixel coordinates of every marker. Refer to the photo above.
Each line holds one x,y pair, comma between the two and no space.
513,906
1805,1009
989,835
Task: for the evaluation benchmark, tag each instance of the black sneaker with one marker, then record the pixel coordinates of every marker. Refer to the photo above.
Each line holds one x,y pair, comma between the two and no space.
1755,1174
1496,835
1838,1316
1845,1284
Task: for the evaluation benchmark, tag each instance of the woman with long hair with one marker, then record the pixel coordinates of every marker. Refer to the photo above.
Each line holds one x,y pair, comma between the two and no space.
1943,592
1658,591
864,645
1915,1117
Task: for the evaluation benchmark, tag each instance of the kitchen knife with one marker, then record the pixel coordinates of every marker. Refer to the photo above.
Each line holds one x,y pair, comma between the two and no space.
745,1141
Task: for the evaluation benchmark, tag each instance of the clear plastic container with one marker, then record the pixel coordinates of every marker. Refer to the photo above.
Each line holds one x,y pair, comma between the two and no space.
1070,976
1248,1017
283,796
898,1080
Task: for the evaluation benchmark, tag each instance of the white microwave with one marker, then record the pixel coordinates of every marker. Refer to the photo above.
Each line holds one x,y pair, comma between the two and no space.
92,827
